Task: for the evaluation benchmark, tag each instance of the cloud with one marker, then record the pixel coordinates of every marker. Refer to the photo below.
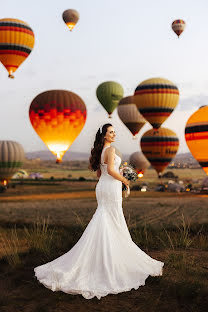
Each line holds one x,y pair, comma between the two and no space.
193,102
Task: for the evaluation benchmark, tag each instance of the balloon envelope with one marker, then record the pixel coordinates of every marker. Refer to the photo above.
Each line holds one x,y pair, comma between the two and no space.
139,162
11,158
159,146
178,26
109,94
58,117
71,18
156,98
196,135
16,43
129,115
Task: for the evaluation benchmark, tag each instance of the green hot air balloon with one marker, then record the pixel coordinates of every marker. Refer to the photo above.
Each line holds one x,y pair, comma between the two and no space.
109,94
11,158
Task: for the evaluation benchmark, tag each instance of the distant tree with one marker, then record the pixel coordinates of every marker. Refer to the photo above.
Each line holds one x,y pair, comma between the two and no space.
82,179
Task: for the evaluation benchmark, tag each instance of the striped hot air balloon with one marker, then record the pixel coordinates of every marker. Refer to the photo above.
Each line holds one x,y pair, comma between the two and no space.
178,26
16,43
156,98
139,162
196,135
58,117
159,146
11,159
109,94
130,116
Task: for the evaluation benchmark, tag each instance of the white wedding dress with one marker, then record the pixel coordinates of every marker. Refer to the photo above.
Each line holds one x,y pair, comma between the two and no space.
105,260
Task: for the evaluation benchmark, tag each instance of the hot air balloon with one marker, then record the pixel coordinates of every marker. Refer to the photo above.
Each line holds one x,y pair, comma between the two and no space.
159,146
109,94
139,162
20,174
58,117
156,98
70,17
196,135
129,115
16,43
178,26
11,159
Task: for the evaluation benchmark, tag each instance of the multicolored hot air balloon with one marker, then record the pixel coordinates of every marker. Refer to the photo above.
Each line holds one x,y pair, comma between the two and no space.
71,18
139,162
196,135
20,174
109,94
11,159
129,115
156,98
16,43
58,117
178,26
159,146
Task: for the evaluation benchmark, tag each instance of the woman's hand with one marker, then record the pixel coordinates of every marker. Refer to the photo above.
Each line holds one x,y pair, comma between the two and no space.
126,182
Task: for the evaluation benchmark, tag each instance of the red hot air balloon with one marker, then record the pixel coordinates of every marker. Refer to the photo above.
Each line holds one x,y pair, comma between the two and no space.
58,117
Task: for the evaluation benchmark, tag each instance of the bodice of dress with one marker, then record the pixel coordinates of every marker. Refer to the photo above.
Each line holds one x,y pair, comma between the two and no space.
103,166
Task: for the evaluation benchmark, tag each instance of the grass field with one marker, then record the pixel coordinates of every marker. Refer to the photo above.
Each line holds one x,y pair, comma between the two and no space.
40,221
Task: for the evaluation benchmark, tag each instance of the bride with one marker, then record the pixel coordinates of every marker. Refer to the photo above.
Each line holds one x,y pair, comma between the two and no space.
105,260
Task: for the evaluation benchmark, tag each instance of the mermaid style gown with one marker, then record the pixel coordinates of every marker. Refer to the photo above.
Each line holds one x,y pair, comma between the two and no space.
105,260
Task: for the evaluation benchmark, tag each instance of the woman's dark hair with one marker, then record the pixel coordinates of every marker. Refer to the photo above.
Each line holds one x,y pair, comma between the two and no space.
98,147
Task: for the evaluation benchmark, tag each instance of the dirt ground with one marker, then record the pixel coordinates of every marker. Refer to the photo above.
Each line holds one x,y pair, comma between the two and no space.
182,288
67,208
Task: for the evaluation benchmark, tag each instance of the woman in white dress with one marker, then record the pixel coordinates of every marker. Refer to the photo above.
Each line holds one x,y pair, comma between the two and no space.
105,260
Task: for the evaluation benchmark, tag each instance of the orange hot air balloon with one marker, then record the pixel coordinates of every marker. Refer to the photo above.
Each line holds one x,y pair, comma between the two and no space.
196,135
58,117
178,26
70,17
16,43
130,116
159,146
156,98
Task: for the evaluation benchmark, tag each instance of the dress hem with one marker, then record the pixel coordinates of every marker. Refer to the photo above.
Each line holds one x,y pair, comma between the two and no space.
89,294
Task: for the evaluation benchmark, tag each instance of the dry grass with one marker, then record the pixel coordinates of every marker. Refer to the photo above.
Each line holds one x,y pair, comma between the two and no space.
39,236
11,246
169,227
183,284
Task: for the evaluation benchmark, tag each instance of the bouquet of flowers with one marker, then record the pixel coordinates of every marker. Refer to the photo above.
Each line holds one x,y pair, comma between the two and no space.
129,173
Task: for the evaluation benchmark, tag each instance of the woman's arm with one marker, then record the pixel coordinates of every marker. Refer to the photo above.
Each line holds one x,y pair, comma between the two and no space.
98,173
110,166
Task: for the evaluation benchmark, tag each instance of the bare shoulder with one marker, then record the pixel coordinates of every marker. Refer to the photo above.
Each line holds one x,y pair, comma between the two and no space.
111,150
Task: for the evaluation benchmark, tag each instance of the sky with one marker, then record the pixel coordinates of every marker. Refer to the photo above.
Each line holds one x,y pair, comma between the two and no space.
124,41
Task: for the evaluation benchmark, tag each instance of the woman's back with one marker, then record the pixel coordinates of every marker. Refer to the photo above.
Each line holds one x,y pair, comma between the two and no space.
103,165
108,189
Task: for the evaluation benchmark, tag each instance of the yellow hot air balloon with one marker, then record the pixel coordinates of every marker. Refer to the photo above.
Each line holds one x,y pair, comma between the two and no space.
130,116
178,26
159,146
109,93
58,117
11,159
139,162
196,135
156,98
71,18
16,43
